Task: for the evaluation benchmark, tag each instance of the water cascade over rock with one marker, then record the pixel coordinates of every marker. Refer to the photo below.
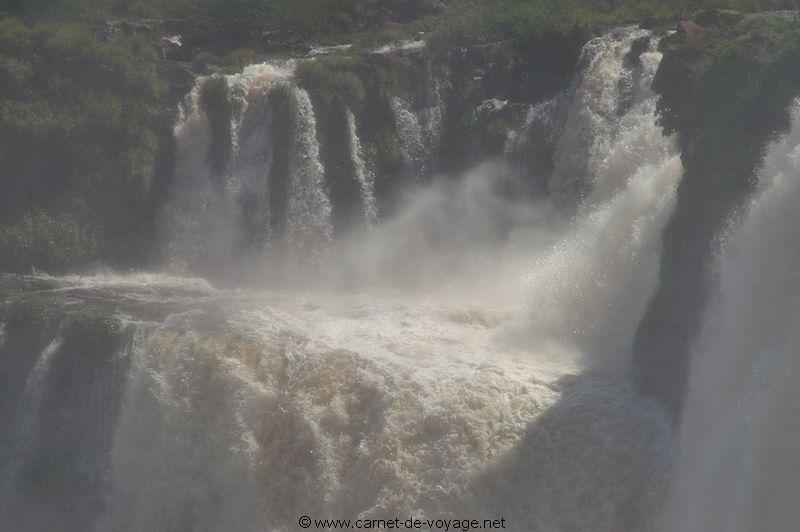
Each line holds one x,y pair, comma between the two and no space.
464,353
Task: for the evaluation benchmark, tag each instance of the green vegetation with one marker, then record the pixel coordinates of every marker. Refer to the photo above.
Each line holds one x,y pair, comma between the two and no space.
333,76
52,243
94,334
243,18
78,134
476,21
500,127
744,75
382,152
29,324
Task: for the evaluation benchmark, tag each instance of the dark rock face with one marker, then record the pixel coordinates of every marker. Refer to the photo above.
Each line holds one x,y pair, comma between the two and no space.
339,170
509,72
722,132
60,436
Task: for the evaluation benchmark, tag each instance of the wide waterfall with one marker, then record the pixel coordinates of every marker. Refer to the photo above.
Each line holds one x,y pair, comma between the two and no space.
740,435
464,352
269,195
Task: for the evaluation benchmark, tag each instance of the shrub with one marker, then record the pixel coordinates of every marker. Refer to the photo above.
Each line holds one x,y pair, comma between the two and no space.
333,76
383,153
79,126
51,243
476,21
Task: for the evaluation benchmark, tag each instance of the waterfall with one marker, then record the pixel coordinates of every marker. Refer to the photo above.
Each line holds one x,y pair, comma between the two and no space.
593,146
363,174
589,290
309,228
738,465
63,433
420,131
272,198
24,420
430,381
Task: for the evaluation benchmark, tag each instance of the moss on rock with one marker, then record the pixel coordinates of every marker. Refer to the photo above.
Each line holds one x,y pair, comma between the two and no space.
94,334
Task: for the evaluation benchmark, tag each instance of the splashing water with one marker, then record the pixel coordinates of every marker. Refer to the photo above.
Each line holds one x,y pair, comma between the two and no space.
590,289
309,228
420,132
594,156
411,393
213,231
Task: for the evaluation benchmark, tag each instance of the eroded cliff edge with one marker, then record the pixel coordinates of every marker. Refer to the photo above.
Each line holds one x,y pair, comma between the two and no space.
726,83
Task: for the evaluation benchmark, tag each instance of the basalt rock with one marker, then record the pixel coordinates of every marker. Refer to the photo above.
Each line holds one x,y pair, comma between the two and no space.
726,82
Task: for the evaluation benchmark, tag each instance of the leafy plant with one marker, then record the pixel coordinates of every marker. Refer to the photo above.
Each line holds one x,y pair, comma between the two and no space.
52,243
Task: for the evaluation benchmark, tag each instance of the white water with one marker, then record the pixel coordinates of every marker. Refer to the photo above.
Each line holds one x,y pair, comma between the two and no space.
540,120
420,130
231,231
455,378
363,174
594,156
738,469
309,228
426,401
25,420
588,291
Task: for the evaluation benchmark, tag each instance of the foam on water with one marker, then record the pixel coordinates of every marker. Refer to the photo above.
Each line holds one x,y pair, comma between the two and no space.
446,381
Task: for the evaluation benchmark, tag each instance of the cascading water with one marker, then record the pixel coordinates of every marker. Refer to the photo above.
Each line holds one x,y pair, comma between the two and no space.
613,79
435,386
363,174
420,131
590,289
309,210
739,441
272,199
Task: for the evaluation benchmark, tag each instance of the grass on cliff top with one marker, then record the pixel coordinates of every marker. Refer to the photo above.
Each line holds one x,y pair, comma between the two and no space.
743,77
479,21
305,17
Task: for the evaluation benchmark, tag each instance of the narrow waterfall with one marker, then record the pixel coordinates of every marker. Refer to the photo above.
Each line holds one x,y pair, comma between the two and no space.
22,421
309,211
63,430
420,131
739,439
363,174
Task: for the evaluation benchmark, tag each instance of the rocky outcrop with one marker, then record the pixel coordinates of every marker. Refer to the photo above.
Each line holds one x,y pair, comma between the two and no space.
725,82
510,73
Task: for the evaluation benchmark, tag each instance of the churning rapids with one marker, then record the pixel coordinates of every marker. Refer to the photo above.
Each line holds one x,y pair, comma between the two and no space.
467,355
